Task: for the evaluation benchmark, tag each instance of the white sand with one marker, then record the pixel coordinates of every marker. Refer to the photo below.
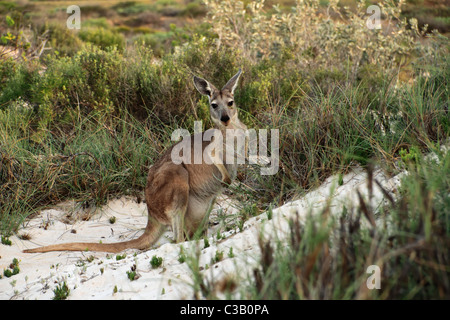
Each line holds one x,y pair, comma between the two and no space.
41,273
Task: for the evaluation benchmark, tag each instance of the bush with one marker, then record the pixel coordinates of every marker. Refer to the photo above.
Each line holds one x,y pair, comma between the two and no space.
313,40
156,262
103,38
63,41
130,7
157,41
96,22
61,291
146,17
79,83
194,9
7,66
21,81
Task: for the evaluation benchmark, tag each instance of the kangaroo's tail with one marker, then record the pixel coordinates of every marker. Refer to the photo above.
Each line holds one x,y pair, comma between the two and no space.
152,233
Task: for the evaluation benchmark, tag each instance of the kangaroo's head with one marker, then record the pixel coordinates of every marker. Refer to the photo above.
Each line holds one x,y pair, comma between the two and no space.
221,102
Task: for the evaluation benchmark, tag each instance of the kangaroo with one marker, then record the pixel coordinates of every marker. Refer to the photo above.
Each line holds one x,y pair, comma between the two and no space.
180,195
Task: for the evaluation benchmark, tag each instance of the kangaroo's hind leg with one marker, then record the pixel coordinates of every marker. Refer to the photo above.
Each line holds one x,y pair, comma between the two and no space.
167,195
178,225
177,209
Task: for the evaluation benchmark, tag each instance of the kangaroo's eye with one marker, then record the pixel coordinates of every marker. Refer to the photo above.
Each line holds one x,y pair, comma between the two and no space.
214,105
230,103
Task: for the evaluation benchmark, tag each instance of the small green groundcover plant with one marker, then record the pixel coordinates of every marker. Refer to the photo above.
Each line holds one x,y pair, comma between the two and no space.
61,291
156,262
12,270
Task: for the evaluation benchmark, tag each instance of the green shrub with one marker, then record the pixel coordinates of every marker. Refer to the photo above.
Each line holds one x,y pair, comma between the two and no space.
96,23
61,291
5,241
144,18
132,275
6,6
156,41
13,269
63,41
130,7
7,66
194,9
156,262
79,83
21,82
104,38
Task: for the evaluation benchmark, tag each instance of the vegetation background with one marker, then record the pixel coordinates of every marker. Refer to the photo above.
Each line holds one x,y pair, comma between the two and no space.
84,113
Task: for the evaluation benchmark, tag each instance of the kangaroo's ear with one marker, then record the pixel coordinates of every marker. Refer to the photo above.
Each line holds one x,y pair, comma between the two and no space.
203,86
232,83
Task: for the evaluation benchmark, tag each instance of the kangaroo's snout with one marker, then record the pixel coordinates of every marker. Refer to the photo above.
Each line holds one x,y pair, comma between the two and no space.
225,119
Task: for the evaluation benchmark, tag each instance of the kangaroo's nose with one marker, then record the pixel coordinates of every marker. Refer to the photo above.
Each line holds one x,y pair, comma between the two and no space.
225,118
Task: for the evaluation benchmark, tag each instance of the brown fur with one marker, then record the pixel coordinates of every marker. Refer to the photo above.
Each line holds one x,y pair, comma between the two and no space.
178,195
